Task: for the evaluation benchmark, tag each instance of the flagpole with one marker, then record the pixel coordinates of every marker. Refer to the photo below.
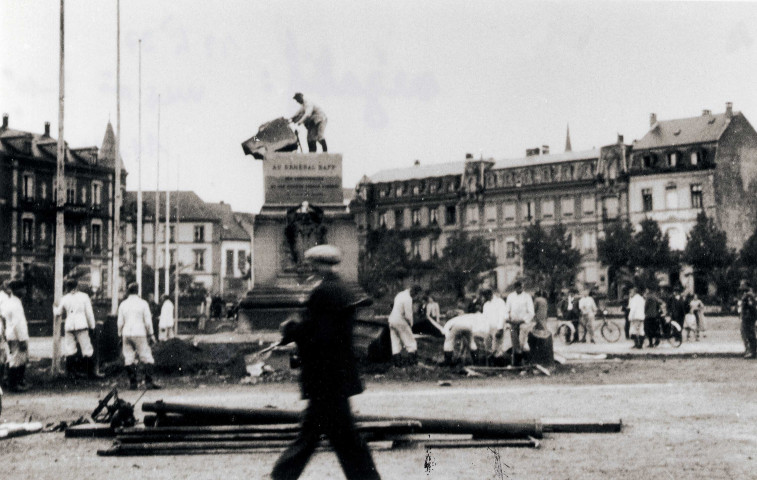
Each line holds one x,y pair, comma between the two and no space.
116,253
177,264
167,255
60,226
139,178
156,220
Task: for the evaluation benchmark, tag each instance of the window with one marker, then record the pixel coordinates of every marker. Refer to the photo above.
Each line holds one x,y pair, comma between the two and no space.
416,189
382,220
646,199
471,214
43,232
416,217
432,187
172,256
229,263
242,261
96,238
28,187
172,233
611,207
199,260
434,248
587,205
493,246
399,191
43,190
399,218
548,209
199,233
450,215
415,248
588,242
433,213
27,232
82,234
509,211
71,190
566,206
673,159
490,211
510,246
696,196
382,193
528,211
71,236
671,197
648,161
96,194
83,195
695,157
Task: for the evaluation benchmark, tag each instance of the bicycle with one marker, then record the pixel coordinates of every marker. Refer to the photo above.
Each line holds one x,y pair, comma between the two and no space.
610,330
567,331
671,332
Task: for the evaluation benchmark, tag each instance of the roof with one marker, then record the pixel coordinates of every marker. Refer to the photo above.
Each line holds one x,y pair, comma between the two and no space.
230,228
684,131
458,168
45,147
191,206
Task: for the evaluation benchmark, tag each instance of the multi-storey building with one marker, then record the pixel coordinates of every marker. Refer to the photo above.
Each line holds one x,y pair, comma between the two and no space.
701,164
208,243
497,200
28,166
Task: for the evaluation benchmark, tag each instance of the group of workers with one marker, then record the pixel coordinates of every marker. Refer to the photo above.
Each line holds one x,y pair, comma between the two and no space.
483,327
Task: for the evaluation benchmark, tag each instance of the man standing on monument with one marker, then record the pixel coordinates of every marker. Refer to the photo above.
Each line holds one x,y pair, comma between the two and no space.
314,120
329,374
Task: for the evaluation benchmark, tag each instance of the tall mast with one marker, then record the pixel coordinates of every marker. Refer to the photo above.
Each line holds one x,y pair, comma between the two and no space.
60,226
139,178
117,200
156,219
167,253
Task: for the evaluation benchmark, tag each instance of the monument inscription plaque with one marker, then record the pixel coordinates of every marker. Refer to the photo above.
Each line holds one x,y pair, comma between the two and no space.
293,178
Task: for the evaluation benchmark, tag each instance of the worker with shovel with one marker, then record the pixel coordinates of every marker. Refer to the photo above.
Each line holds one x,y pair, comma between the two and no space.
329,374
314,120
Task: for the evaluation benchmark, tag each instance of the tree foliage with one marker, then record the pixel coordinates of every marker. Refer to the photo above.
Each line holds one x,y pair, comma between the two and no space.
615,249
706,246
384,263
463,260
651,248
549,261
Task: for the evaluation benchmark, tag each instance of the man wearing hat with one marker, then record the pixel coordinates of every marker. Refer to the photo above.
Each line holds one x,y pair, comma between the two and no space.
76,307
748,317
136,332
329,374
314,120
17,335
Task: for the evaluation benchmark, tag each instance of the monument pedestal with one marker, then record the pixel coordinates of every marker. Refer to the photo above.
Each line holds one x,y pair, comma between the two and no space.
304,206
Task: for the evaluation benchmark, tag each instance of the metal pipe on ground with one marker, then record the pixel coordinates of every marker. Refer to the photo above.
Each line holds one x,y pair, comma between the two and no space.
225,416
121,450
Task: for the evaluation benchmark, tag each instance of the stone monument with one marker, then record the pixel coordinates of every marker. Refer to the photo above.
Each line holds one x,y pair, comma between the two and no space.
304,206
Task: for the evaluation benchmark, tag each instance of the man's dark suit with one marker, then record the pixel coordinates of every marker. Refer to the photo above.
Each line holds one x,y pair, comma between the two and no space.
329,377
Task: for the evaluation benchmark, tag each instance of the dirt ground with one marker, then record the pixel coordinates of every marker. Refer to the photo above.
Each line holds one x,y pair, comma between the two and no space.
683,418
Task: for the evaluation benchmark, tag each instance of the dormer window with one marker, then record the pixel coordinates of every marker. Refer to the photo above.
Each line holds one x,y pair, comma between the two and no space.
416,189
695,158
432,187
673,159
399,191
648,161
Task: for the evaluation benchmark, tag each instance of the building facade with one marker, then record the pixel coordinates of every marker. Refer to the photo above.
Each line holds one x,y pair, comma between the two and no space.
208,243
498,200
28,187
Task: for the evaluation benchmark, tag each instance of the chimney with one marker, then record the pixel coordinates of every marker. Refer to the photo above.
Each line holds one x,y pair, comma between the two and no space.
417,163
47,129
468,156
706,113
545,149
652,119
532,152
5,120
728,110
620,139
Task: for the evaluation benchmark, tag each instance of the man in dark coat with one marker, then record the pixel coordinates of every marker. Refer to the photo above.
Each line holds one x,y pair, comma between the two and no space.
748,312
678,307
329,374
652,317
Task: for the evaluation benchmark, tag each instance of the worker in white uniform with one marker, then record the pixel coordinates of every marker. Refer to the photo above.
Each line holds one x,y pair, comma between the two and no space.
520,312
476,330
636,306
588,308
495,313
135,331
4,353
76,307
165,324
401,323
17,335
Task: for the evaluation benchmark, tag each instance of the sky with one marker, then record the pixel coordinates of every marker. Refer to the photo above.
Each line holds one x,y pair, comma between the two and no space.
399,80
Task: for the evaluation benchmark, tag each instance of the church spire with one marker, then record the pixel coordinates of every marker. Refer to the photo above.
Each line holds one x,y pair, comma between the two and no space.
567,140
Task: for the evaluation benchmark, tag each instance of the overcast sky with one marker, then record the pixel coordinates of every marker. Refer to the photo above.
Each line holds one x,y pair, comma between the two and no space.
399,80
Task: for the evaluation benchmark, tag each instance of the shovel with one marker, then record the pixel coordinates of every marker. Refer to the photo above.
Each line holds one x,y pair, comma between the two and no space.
255,362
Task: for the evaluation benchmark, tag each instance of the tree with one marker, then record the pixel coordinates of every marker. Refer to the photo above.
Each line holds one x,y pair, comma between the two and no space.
708,254
384,263
651,248
548,258
463,260
614,251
